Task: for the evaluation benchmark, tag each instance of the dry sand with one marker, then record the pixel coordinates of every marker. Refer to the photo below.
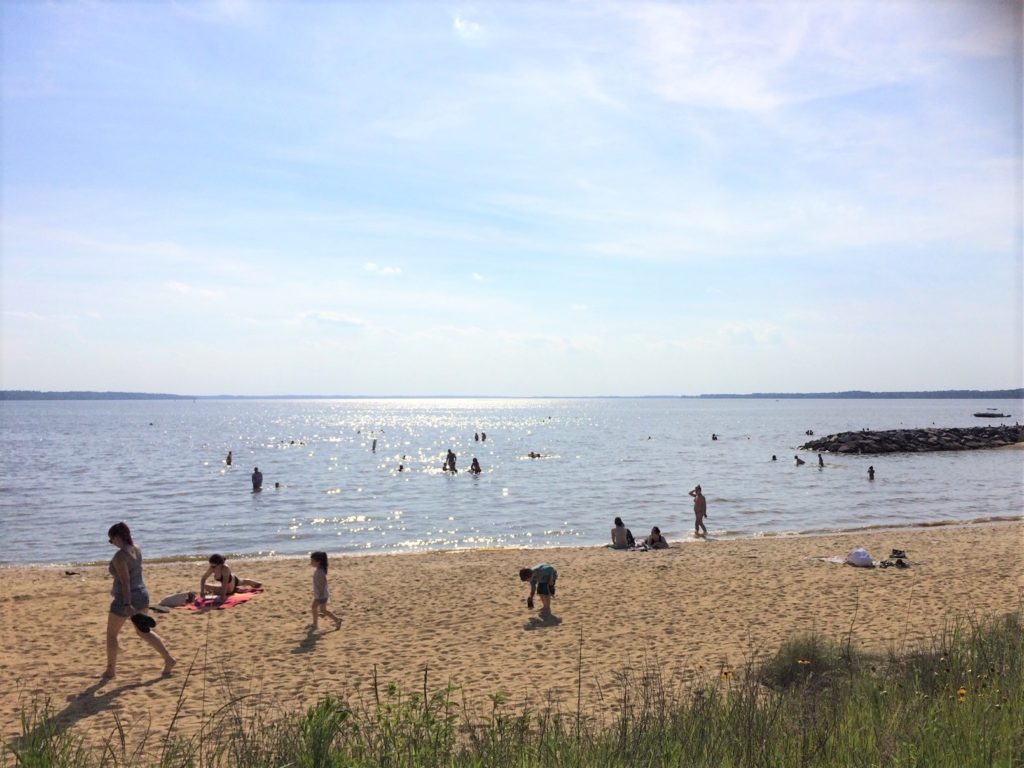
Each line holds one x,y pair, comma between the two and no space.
689,610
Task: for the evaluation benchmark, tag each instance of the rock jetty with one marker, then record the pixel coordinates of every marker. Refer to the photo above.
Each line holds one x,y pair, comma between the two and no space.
918,440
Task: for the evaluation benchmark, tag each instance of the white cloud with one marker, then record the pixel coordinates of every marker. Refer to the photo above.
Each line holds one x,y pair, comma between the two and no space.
377,269
754,332
185,289
479,278
466,29
216,11
757,57
328,317
19,315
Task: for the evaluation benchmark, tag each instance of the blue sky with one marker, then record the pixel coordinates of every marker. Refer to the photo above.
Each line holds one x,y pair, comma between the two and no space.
511,198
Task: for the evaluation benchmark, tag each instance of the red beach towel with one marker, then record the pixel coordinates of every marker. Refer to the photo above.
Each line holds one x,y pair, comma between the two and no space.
203,604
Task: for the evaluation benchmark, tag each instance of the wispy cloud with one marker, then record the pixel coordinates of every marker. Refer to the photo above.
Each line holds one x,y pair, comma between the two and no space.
383,271
467,29
335,319
216,11
185,289
401,186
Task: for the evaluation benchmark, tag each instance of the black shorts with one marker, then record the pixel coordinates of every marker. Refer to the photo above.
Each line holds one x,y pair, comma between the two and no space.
546,589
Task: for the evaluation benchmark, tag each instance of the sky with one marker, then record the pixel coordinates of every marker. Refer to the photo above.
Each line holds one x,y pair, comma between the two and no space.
496,198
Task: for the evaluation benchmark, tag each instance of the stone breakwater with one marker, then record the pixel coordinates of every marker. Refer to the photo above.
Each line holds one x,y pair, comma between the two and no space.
918,440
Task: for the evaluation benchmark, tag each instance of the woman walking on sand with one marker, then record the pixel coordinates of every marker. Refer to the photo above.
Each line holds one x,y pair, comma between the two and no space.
131,600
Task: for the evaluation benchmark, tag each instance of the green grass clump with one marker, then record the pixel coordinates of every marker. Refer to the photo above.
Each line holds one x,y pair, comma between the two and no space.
958,703
44,743
807,661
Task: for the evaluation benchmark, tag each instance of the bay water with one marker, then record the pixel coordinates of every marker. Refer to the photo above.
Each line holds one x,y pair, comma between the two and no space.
70,469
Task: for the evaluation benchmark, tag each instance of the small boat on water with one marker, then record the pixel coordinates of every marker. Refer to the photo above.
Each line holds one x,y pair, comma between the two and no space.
991,414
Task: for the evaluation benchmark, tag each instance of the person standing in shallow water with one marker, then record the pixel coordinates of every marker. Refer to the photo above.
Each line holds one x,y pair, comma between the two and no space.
257,479
131,598
700,511
449,462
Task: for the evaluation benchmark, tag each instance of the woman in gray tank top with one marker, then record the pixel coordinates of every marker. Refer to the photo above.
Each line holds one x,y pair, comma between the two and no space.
130,597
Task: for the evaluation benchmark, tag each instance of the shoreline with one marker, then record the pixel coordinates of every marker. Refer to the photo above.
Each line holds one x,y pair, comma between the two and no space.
689,610
273,557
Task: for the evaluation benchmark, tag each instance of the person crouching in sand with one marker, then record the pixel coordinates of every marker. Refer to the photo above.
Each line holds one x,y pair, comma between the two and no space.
542,578
700,511
321,594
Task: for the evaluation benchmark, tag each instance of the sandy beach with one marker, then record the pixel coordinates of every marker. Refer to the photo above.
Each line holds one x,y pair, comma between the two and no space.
689,610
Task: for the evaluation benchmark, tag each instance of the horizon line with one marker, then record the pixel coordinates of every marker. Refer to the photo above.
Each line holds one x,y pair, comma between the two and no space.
27,394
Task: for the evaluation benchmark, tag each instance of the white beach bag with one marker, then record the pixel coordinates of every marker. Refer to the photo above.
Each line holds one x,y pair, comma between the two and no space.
860,558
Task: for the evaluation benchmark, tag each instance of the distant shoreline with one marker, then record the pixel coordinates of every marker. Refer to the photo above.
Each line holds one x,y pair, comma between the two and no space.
685,541
945,394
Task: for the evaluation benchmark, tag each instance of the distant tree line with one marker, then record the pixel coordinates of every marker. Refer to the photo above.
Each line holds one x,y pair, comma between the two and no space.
856,394
945,394
28,394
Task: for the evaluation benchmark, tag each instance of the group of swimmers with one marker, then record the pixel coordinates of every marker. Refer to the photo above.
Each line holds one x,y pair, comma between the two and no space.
821,463
449,464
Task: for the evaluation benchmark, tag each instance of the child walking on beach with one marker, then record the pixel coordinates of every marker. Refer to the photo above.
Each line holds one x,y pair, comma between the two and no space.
320,591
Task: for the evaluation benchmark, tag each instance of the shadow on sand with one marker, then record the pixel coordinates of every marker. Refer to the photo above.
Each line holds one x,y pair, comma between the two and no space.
539,622
308,643
91,701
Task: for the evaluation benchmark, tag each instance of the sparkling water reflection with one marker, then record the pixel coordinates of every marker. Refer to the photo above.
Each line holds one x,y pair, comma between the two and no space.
70,469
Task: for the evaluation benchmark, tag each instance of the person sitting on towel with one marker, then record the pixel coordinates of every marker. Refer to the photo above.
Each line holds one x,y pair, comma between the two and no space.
656,540
229,582
622,537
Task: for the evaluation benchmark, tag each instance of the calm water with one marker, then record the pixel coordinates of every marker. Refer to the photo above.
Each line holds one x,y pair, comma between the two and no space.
70,469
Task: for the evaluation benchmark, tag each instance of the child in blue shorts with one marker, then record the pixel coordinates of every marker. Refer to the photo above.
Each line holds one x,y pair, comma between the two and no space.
542,578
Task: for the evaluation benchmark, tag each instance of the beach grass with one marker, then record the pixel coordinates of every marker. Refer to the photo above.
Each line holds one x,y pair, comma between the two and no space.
959,702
